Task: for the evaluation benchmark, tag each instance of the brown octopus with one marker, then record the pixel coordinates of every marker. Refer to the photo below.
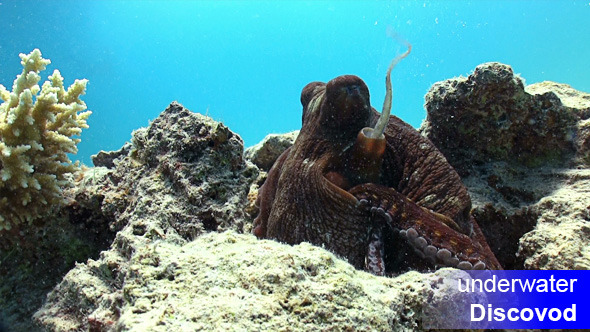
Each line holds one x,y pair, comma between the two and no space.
385,199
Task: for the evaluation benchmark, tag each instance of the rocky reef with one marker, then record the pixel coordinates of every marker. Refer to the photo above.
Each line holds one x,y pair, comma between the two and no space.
165,222
184,175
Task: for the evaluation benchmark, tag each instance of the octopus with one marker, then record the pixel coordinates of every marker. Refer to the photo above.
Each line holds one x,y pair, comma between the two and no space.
369,188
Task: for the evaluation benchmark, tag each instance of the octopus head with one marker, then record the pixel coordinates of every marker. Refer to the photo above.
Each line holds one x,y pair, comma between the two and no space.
338,109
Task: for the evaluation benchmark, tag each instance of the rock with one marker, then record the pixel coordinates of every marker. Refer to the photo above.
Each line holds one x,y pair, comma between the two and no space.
583,142
523,154
186,169
226,280
269,149
184,176
490,116
569,96
533,218
107,158
561,239
35,259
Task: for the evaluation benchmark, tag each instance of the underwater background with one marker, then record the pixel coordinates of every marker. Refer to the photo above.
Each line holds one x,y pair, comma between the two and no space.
245,62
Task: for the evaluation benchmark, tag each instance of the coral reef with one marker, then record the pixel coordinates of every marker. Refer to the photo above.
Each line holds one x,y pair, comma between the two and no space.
165,214
36,126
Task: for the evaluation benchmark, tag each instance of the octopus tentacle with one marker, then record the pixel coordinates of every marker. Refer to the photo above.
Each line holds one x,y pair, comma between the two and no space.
366,156
430,234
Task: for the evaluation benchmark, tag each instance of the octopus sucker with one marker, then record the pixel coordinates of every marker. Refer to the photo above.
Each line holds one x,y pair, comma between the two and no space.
374,261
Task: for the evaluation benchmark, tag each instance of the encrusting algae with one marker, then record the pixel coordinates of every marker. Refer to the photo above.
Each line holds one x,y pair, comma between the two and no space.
36,129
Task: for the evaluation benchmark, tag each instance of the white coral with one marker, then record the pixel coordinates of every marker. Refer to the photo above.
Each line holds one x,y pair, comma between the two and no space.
36,126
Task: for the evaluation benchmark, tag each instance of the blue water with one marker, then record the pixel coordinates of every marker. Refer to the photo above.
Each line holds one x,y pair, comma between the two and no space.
245,63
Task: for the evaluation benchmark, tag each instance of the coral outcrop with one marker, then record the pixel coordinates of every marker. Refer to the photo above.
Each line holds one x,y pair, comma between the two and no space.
523,153
490,116
36,129
183,175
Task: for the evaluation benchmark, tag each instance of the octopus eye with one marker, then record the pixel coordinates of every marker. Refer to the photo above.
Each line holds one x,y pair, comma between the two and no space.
353,90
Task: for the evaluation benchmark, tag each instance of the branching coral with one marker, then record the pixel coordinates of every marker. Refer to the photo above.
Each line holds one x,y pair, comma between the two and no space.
36,126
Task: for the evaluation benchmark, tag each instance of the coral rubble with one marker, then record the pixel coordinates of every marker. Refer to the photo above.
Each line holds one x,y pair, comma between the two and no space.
36,126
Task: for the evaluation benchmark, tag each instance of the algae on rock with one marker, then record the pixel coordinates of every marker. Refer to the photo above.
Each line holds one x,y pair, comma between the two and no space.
36,129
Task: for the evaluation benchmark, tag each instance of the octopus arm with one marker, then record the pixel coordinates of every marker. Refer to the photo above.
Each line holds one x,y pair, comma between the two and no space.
267,194
423,174
433,235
